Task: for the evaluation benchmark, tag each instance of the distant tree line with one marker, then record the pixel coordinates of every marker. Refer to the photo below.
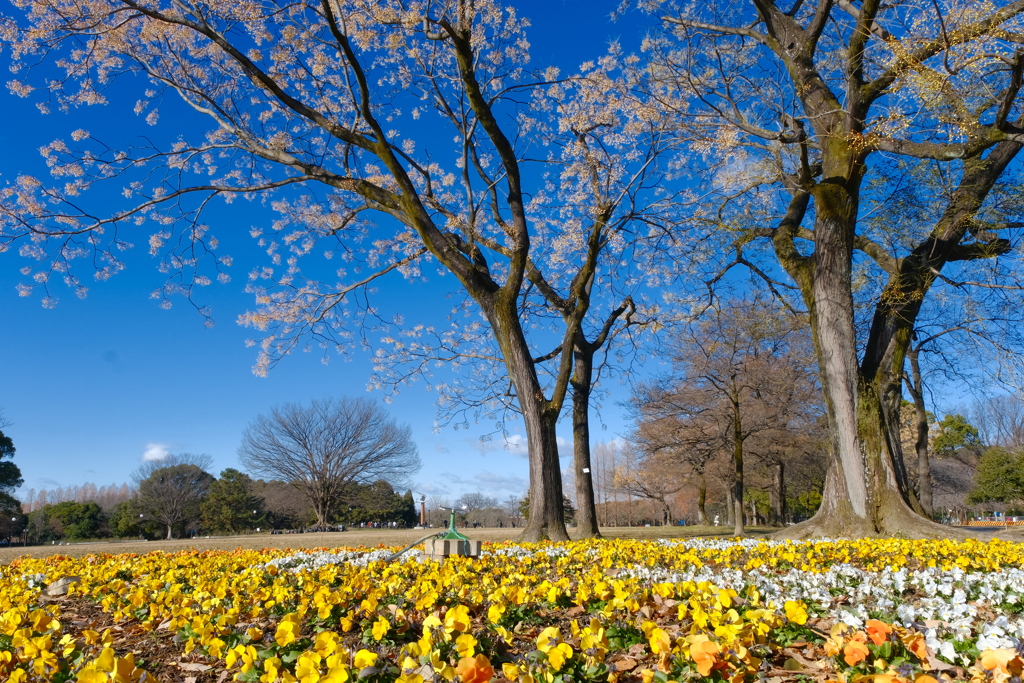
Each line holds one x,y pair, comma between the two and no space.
329,463
104,496
178,500
477,509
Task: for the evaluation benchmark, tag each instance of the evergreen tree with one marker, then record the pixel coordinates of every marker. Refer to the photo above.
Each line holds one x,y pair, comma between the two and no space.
567,508
76,521
954,433
10,474
231,506
10,479
1000,477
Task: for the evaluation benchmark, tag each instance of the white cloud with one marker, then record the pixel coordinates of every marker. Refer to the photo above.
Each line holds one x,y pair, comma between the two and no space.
155,451
516,443
431,489
497,484
486,482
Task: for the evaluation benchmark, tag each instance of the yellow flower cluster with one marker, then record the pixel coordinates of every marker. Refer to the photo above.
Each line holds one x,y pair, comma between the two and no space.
584,611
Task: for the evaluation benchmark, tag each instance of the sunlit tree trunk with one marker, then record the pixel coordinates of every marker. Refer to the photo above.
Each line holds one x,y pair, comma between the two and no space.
547,519
924,468
730,506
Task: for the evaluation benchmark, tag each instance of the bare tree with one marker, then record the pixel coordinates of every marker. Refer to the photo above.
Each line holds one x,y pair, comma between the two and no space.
171,489
1000,419
740,372
325,446
512,508
656,477
475,501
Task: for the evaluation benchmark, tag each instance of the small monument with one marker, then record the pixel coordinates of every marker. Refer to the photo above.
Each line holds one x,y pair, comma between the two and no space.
450,543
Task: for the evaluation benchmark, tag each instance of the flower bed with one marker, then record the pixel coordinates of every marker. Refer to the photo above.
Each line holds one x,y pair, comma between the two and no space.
650,611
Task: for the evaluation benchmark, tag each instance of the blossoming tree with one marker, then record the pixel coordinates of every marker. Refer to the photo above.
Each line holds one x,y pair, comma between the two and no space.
390,134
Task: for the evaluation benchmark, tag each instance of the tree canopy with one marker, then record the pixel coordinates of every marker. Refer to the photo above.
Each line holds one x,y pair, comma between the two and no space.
525,185
954,432
10,474
171,489
231,505
1000,477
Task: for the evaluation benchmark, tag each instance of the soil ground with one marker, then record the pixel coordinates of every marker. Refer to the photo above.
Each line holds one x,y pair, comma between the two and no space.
351,538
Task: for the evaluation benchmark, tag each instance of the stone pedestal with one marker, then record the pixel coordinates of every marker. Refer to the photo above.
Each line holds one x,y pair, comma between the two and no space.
440,548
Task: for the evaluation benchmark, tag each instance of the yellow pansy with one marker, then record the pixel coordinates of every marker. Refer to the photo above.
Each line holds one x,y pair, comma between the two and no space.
381,628
364,659
796,612
465,645
457,619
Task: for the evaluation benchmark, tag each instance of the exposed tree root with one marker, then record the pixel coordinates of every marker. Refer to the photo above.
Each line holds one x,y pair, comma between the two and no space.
580,536
894,520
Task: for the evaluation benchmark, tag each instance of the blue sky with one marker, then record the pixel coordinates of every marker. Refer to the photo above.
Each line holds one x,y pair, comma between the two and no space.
94,384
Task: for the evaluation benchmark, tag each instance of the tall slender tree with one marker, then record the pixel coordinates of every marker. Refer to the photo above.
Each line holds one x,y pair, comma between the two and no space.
739,372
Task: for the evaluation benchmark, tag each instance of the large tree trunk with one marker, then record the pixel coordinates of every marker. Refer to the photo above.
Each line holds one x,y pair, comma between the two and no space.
586,511
320,509
865,491
547,518
730,506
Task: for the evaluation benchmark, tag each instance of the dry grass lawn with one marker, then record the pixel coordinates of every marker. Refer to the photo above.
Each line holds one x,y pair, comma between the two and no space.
352,538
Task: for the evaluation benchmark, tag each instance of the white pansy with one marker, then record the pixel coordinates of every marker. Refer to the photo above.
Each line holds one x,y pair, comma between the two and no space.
315,560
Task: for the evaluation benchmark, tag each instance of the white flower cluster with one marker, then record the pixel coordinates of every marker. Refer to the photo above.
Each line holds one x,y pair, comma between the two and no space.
551,551
312,561
947,606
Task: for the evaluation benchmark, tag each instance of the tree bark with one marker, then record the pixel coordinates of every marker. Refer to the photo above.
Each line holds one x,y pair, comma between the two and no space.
737,459
777,493
867,492
730,505
586,510
924,468
547,518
